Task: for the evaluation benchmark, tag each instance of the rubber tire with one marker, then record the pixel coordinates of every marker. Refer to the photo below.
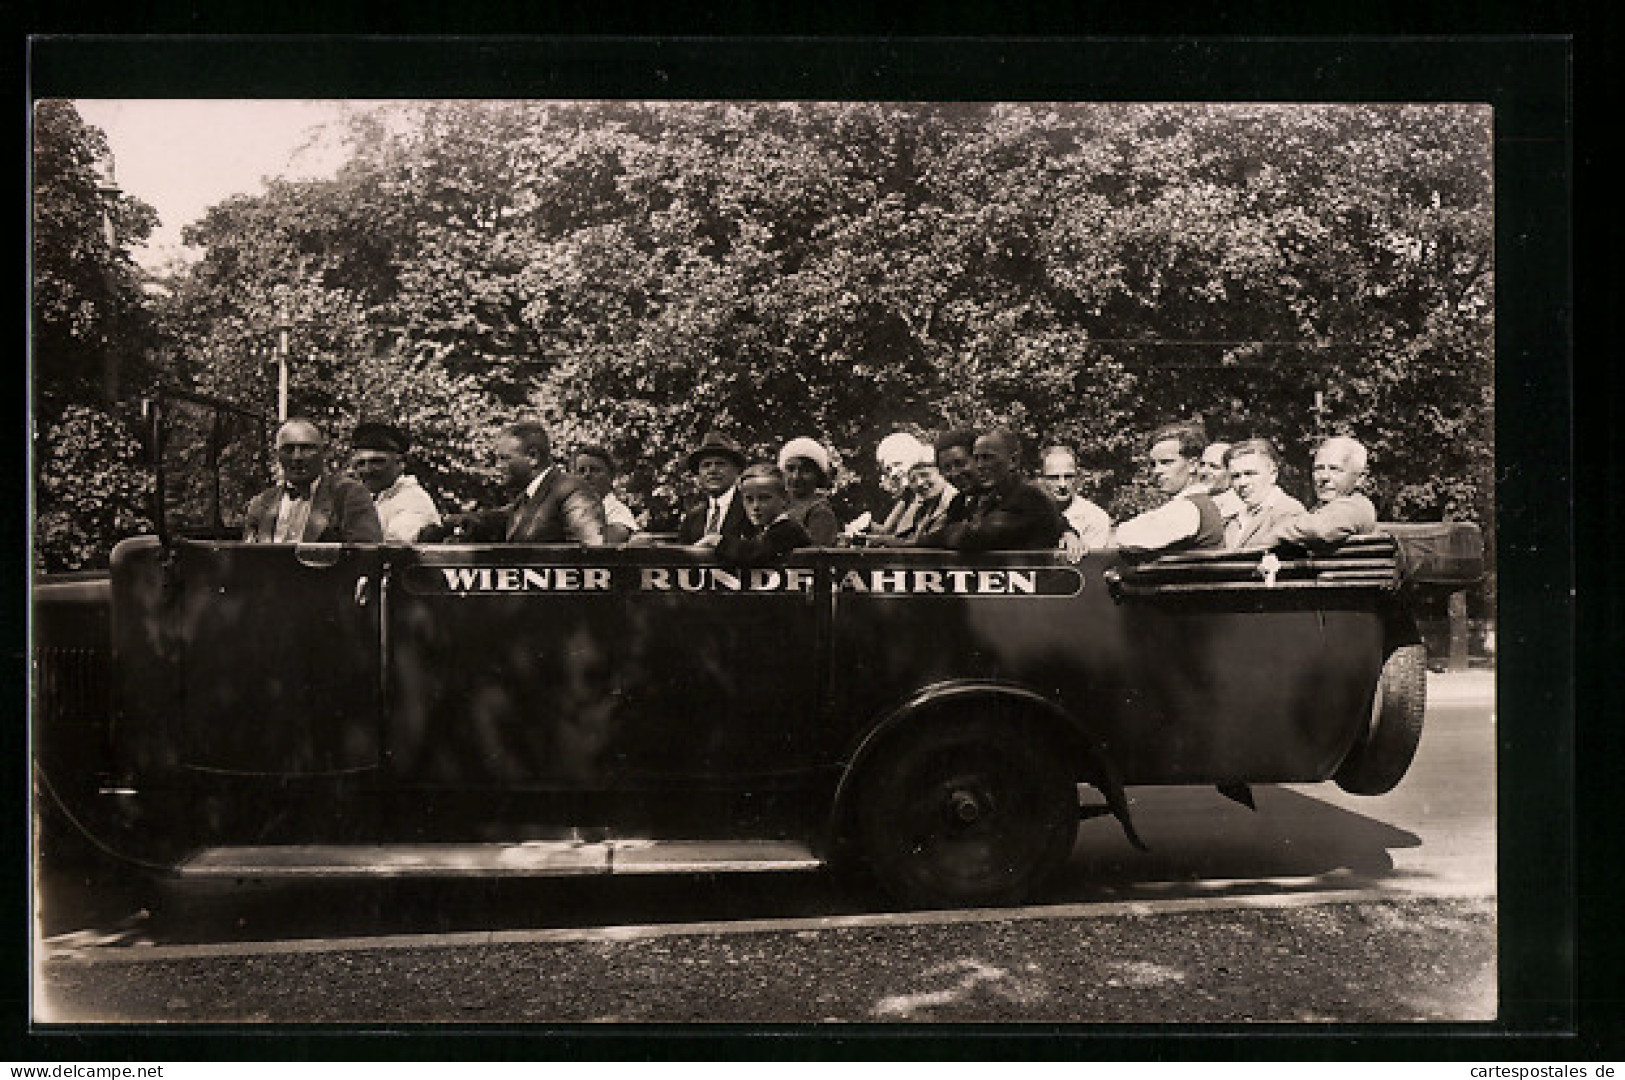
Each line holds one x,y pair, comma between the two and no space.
1380,757
924,856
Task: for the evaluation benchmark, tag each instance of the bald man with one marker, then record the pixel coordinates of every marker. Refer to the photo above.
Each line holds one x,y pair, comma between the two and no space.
1009,513
1340,511
310,505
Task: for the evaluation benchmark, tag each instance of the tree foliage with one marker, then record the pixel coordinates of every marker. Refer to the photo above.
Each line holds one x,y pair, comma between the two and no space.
93,485
91,332
90,323
637,273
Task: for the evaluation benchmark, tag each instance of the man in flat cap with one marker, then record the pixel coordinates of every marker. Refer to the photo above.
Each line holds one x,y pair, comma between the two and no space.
310,505
716,464
404,508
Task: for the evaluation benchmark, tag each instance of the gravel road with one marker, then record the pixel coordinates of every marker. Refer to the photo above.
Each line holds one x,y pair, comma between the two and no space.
1367,961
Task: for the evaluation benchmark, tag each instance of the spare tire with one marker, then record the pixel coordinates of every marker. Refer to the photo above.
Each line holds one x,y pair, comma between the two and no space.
1379,758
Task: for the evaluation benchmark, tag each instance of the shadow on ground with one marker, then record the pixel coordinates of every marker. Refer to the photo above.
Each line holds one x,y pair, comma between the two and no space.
1201,845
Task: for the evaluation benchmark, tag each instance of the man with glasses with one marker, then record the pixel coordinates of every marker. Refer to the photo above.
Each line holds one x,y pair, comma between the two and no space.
1091,525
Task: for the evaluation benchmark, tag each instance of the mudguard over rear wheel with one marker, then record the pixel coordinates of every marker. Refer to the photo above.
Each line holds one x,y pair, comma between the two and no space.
966,812
1383,753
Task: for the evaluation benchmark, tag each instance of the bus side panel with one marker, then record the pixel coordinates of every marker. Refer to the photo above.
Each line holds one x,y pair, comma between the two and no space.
72,700
953,618
247,659
1247,687
595,670
1240,686
146,666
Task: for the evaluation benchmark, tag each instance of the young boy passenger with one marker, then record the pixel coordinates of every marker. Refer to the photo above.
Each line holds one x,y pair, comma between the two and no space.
774,534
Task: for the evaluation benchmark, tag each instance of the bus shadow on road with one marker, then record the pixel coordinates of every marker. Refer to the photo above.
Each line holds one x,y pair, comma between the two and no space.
1202,844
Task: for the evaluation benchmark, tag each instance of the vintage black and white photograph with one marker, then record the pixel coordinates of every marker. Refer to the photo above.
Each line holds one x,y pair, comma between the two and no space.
559,560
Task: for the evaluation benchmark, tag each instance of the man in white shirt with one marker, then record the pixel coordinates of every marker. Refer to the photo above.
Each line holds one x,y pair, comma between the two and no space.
1091,524
404,508
595,468
1188,521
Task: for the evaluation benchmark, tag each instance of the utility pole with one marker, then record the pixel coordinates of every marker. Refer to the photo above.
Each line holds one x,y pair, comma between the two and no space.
108,193
282,375
282,323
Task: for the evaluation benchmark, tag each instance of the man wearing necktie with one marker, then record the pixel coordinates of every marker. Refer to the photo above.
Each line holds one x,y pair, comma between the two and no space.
550,506
310,505
716,464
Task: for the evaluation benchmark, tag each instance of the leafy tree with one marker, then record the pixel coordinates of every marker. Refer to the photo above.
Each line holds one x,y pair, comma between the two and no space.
93,489
637,273
90,338
90,330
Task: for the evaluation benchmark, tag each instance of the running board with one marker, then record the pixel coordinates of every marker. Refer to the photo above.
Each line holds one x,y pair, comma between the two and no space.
549,858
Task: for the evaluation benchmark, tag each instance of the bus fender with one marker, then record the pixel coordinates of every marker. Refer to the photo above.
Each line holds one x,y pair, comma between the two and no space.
952,697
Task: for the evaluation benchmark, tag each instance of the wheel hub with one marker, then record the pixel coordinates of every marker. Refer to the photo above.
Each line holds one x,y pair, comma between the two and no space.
966,807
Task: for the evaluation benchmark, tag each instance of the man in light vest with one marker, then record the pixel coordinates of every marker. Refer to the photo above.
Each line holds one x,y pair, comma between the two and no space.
1189,520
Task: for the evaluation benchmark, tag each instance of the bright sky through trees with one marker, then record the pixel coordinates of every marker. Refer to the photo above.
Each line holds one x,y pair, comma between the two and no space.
184,156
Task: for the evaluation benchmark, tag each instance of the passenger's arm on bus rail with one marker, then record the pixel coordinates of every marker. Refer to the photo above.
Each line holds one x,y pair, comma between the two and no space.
823,526
413,522
1157,529
584,518
1326,525
358,515
1072,545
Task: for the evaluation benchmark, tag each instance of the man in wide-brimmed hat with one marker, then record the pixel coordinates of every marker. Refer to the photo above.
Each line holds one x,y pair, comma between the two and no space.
716,464
404,508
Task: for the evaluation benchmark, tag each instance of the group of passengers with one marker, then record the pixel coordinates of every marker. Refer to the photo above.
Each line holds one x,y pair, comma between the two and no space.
964,492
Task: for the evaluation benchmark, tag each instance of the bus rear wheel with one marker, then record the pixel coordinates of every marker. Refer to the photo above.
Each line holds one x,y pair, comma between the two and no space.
966,812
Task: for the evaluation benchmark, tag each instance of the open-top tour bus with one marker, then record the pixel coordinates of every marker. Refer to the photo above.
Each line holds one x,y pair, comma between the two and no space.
215,708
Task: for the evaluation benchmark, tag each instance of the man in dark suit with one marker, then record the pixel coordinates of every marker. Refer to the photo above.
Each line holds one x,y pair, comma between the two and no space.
716,464
549,507
1007,513
310,505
